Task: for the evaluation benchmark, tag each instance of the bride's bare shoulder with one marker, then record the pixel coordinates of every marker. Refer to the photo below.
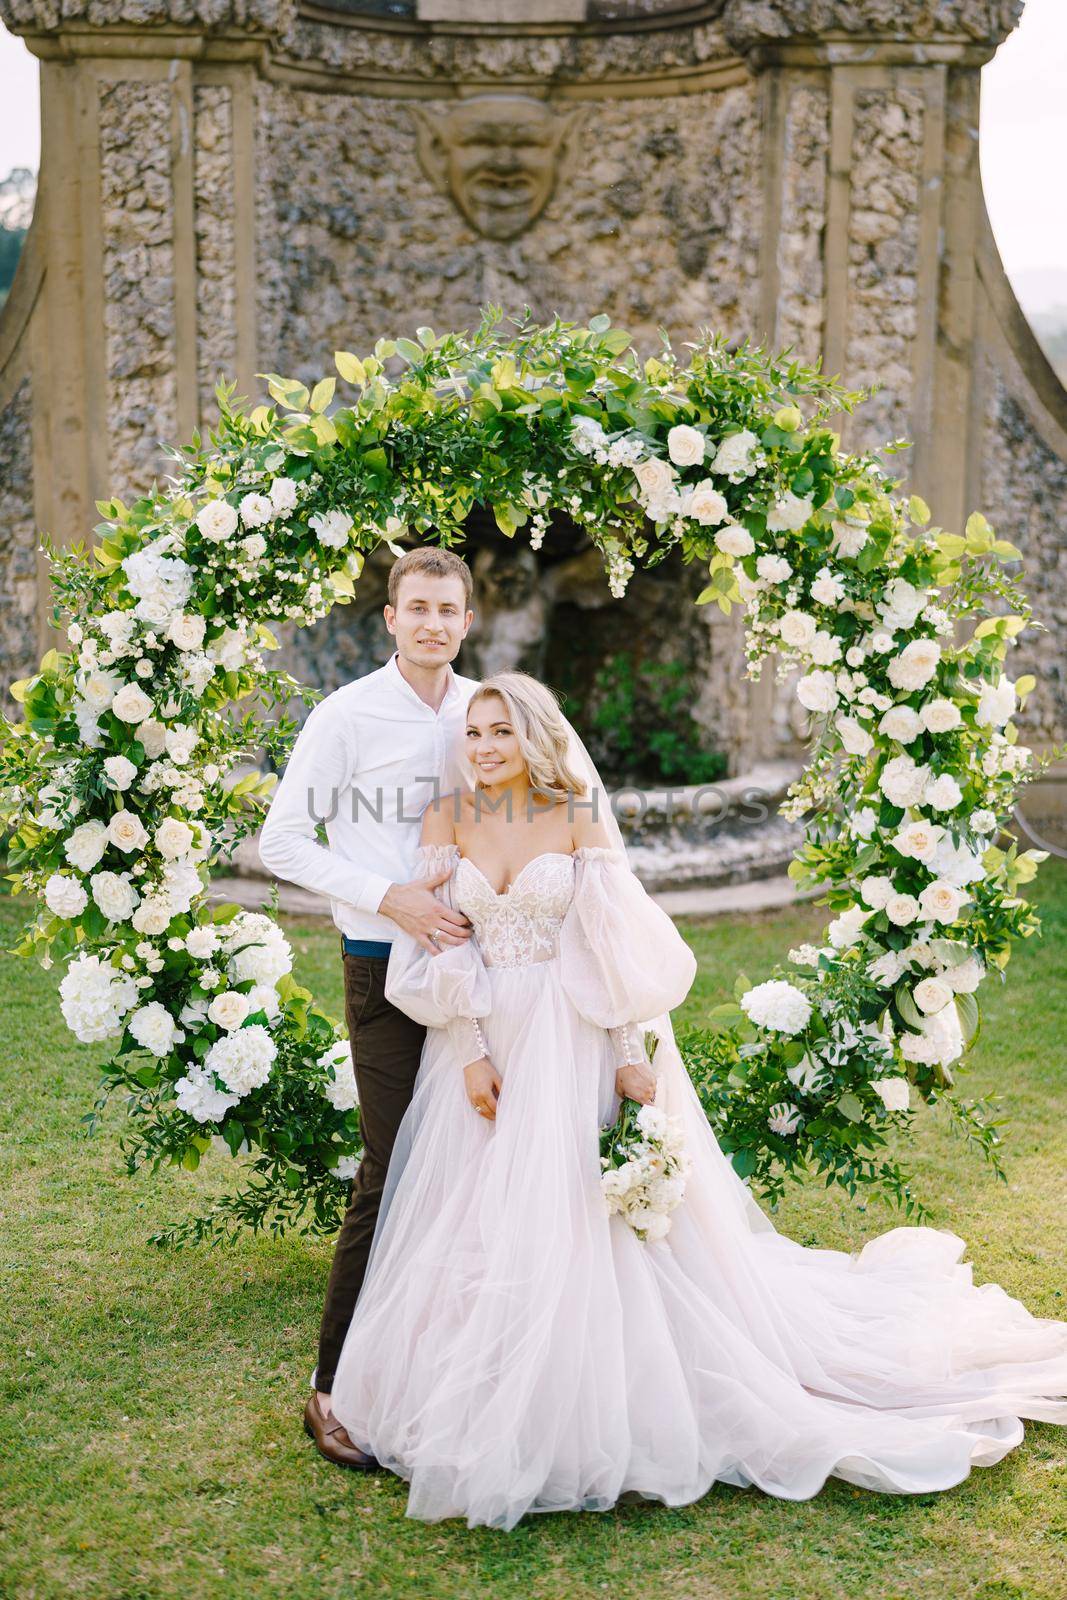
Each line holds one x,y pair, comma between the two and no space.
588,830
439,819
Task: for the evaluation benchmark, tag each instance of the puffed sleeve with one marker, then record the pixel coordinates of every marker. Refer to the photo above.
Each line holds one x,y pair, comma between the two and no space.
622,960
446,990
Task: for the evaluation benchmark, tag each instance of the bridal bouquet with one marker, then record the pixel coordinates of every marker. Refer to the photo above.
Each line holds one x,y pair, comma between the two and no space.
645,1165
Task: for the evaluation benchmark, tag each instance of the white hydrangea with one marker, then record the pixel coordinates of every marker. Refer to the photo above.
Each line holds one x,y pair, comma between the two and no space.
340,1090
587,435
258,949
243,1059
283,494
95,997
854,736
155,1029
965,977
849,536
200,1097
943,792
888,969
877,890
735,455
64,896
827,587
86,845
894,1093
788,513
203,941
777,1006
844,930
119,771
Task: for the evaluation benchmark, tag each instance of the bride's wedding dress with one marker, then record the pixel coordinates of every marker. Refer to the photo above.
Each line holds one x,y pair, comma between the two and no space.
517,1349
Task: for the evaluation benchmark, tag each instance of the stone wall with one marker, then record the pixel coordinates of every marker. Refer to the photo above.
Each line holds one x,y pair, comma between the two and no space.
18,540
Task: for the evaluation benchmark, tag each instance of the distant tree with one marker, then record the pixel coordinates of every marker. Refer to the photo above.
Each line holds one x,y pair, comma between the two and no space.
10,250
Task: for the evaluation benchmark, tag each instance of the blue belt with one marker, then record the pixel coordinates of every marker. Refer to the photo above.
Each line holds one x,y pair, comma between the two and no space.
366,947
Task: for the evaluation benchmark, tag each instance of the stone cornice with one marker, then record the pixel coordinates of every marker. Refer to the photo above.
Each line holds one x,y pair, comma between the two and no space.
54,16
767,28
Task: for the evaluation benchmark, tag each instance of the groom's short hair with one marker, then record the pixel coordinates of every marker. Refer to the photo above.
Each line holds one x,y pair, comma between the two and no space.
434,563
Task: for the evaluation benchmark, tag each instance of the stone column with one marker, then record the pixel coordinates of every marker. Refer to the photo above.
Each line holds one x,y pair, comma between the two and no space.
871,203
146,211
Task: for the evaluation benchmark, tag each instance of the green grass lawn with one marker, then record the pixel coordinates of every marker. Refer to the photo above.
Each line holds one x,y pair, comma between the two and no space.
151,1419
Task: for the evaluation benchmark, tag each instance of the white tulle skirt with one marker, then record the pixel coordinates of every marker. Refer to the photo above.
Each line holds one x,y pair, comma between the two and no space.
516,1349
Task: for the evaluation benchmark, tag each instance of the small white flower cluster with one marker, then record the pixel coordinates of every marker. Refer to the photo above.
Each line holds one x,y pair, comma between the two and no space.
648,1182
340,1088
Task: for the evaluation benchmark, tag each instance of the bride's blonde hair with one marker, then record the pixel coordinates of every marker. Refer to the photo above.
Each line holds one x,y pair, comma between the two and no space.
540,729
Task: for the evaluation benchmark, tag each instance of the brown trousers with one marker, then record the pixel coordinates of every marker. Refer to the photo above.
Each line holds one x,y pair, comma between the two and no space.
386,1050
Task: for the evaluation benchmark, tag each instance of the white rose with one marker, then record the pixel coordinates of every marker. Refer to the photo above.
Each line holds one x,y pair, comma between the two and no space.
877,890
843,931
64,896
888,968
854,736
228,1010
797,629
915,665
789,512
705,505
98,689
654,476
127,832
940,716
173,838
119,771
825,648
256,510
943,793
930,994
902,781
217,521
186,631
902,909
773,569
283,494
901,603
114,894
331,528
983,821
86,845
940,901
734,540
827,588
734,454
253,547
996,703
893,1092
131,703
685,445
152,915
849,536
901,723
919,840
817,691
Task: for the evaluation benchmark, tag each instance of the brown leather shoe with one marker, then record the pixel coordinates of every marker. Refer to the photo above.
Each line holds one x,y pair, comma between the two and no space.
332,1441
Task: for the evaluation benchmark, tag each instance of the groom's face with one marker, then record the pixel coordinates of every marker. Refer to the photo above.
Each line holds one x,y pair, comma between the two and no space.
430,619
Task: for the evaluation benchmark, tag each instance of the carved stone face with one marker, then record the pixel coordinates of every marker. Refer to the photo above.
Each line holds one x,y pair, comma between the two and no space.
497,156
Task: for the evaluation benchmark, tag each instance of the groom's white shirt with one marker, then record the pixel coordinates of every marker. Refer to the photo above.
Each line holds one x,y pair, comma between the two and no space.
366,763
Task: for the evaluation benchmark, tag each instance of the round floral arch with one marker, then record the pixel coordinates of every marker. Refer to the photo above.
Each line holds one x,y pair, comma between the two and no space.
118,790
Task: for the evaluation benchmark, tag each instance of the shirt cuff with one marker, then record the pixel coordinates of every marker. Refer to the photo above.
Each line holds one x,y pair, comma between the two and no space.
373,892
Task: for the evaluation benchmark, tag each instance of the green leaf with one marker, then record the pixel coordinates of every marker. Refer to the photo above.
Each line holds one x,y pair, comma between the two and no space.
918,510
322,394
970,1017
350,367
600,323
850,1106
744,1163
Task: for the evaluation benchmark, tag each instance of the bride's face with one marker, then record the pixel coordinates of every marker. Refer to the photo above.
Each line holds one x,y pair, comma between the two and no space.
491,743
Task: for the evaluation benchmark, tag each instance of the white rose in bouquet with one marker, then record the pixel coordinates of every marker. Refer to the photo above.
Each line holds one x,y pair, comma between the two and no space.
331,528
918,840
940,901
797,629
826,648
119,772
773,569
788,513
877,890
283,494
849,536
153,914
217,521
943,792
655,477
99,688
264,997
733,540
777,1006
115,894
902,909
229,1009
155,1029
260,952
734,454
902,781
901,603
186,631
888,969
86,845
915,665
940,715
685,445
173,838
256,510
64,896
827,587
844,930
126,831
901,723
930,994
818,691
706,505
131,704
341,1090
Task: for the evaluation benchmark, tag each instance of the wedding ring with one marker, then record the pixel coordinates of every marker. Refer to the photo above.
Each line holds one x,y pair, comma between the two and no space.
435,937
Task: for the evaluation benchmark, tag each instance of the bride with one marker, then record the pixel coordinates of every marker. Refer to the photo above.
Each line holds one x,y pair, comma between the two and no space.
515,1348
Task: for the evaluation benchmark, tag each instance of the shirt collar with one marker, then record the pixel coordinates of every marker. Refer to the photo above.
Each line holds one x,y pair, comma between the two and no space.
451,693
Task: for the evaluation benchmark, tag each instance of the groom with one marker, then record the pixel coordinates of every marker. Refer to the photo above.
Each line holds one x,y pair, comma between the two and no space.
366,764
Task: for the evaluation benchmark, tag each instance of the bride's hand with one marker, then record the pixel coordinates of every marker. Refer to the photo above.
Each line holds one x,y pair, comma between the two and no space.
636,1081
483,1086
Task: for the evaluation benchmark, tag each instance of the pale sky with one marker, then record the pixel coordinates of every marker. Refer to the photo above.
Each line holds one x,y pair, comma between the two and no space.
1024,120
